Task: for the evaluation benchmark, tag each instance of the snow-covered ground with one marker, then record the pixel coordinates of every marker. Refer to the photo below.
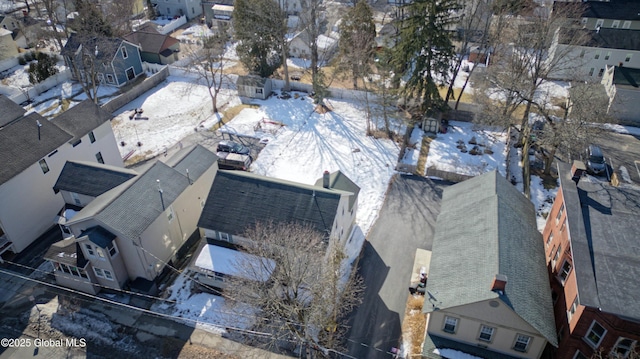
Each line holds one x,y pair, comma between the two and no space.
451,151
309,143
171,111
204,310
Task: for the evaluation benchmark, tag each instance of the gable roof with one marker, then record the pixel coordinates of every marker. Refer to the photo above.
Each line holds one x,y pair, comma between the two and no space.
9,111
20,146
464,264
107,47
338,180
603,228
150,41
131,207
238,200
91,179
82,118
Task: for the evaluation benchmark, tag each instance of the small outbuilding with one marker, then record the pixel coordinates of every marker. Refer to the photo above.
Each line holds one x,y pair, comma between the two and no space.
254,87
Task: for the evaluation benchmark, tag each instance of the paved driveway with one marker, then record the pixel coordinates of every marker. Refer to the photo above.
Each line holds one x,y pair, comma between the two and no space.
406,222
621,151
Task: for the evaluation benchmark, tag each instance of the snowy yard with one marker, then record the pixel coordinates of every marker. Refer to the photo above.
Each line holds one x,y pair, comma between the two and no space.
172,110
469,150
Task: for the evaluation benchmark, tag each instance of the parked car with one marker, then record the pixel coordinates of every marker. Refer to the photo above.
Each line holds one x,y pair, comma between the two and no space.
595,160
233,161
232,147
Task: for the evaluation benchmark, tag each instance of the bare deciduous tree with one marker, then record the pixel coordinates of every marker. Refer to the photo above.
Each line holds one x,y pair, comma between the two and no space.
208,63
310,291
524,59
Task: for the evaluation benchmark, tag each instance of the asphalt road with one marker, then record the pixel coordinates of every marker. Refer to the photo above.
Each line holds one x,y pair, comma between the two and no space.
621,151
406,222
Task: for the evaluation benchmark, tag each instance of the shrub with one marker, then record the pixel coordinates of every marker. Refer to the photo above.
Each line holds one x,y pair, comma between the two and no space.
22,61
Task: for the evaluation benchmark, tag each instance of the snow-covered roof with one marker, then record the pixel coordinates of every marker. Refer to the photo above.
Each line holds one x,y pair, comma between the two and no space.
228,261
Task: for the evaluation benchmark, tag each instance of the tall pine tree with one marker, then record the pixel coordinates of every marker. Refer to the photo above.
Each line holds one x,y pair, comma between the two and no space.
424,50
258,27
357,41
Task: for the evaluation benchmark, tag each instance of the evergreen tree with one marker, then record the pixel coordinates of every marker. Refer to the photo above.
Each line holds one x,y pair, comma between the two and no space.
258,28
357,40
424,50
90,22
44,68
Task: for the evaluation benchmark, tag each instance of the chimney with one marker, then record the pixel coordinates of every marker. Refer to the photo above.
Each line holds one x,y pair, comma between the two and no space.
39,126
499,283
578,169
325,179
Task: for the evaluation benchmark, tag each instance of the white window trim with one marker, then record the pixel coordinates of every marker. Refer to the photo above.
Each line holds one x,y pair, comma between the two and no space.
626,24
110,79
125,53
629,349
104,273
90,250
115,248
455,325
577,353
492,332
223,235
572,310
170,214
561,271
586,336
98,272
526,347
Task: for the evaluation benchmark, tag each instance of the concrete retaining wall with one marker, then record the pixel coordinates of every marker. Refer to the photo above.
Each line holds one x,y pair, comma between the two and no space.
449,176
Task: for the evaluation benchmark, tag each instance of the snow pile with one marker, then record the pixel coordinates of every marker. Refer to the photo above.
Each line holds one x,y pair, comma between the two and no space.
627,130
542,199
204,310
310,143
452,151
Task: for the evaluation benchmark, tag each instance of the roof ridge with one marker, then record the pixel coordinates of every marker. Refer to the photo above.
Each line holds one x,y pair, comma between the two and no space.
282,181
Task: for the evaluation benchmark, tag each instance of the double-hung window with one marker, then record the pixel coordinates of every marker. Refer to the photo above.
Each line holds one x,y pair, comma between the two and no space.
486,333
595,334
522,343
450,324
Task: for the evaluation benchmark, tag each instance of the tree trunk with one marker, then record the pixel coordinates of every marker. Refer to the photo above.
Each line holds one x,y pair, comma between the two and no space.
525,140
450,93
548,160
285,67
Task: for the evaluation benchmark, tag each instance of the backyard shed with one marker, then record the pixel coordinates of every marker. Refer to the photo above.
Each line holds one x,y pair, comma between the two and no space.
254,87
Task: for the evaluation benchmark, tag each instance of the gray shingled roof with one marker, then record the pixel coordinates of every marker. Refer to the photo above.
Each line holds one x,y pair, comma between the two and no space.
197,160
249,80
151,42
21,148
99,236
338,180
82,118
107,47
606,38
238,200
91,179
131,207
138,206
9,111
603,226
486,227
614,10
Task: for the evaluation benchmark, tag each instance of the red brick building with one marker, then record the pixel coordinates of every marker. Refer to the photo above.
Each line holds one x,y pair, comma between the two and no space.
592,246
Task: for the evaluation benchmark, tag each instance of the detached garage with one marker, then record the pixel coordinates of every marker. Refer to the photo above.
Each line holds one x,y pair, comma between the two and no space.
254,87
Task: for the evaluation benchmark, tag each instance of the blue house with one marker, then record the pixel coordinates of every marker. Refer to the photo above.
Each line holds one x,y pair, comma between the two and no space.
114,62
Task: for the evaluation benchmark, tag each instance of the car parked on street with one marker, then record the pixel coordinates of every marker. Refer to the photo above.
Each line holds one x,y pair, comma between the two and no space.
232,147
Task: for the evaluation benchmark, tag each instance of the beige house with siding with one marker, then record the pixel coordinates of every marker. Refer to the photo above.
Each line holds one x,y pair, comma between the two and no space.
129,234
488,292
33,151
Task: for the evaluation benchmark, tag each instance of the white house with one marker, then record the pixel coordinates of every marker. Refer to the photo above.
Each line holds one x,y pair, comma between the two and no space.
33,151
604,47
622,85
173,8
299,46
8,47
129,234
